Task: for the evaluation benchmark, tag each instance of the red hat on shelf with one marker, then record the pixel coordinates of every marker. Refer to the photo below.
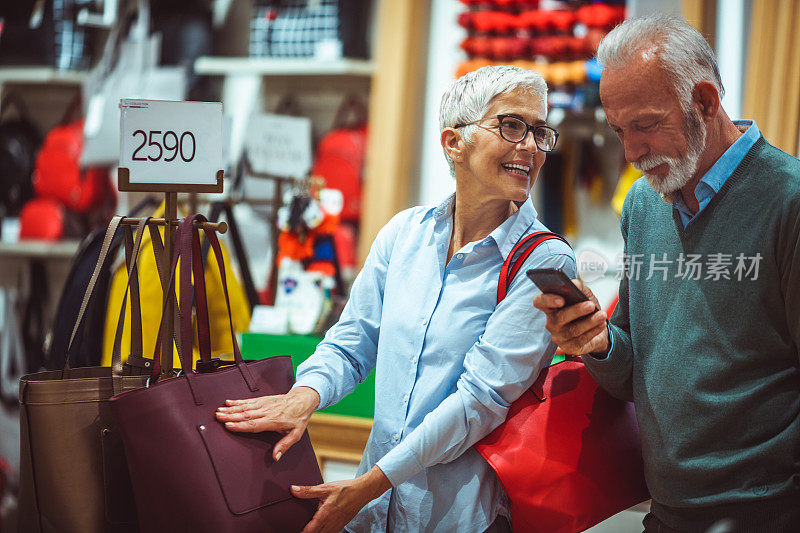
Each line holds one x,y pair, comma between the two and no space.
477,46
561,20
534,20
600,15
465,19
507,47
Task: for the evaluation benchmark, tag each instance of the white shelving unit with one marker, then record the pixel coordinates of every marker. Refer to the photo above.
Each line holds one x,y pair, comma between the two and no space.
244,81
267,66
40,75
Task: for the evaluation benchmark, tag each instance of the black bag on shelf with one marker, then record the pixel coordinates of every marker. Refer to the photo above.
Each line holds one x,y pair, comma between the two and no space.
326,29
19,143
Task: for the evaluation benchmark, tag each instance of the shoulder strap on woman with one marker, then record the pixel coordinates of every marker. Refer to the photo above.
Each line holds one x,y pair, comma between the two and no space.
517,257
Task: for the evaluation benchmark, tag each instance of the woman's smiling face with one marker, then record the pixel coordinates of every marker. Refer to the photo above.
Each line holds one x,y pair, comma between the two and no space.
494,168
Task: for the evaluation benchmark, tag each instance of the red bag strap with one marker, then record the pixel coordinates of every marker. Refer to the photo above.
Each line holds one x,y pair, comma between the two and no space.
516,258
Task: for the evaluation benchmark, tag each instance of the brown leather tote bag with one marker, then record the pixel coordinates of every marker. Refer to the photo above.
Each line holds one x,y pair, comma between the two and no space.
189,473
73,473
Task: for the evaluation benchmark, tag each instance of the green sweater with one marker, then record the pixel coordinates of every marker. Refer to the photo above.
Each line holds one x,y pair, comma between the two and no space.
713,364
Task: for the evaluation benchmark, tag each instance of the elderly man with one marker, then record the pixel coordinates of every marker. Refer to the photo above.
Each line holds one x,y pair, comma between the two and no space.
705,337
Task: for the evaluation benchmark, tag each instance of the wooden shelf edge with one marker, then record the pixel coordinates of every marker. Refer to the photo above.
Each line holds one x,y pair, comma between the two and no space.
339,437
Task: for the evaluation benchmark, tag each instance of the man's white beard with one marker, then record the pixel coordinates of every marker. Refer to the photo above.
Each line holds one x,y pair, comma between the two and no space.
680,169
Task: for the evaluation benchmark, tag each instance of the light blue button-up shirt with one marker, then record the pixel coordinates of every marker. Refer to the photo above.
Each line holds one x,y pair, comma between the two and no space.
448,360
718,174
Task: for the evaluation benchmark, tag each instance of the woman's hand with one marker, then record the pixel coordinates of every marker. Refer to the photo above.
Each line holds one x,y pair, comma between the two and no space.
340,501
285,413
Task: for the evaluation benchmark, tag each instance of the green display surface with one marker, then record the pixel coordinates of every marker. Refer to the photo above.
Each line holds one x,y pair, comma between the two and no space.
360,402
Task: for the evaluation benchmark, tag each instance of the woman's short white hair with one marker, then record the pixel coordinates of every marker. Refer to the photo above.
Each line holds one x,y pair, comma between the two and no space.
470,96
683,53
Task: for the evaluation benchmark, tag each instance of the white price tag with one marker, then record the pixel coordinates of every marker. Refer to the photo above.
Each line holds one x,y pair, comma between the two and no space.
279,145
171,143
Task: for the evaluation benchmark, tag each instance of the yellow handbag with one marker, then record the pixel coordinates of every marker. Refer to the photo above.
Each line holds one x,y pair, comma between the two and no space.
151,297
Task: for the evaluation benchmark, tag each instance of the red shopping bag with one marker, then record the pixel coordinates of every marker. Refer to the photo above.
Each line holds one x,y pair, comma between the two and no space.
569,454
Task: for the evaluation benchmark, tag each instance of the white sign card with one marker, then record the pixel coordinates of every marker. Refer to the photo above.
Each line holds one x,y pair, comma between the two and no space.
279,145
166,142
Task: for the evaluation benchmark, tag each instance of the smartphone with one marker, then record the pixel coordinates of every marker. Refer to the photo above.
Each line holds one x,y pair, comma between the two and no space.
553,281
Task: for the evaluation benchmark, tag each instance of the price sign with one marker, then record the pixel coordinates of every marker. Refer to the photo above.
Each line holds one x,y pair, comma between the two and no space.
279,145
170,146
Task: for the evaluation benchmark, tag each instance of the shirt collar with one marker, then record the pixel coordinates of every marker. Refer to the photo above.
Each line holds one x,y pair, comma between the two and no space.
509,233
722,169
506,235
441,211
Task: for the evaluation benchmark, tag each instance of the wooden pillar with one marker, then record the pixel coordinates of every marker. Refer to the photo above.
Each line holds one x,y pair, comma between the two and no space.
395,112
772,90
702,14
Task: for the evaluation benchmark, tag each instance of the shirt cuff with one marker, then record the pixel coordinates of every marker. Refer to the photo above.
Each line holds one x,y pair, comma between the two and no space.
604,355
400,464
319,384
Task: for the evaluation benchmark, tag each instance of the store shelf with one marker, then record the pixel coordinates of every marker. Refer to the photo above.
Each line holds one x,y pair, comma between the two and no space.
268,66
35,249
32,75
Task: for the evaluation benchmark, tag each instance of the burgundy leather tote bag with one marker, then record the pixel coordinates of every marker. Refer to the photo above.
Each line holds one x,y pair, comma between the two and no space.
188,472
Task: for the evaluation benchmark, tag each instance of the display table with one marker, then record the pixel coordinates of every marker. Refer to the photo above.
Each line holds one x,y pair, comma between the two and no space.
338,432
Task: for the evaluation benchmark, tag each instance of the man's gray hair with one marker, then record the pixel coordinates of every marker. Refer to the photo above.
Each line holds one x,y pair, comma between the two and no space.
683,53
469,97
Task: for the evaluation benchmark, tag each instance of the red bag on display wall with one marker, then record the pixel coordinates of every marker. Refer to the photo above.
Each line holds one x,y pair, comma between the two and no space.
58,174
340,156
569,454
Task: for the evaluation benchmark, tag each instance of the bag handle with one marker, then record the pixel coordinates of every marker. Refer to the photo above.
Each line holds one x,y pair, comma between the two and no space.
12,99
87,295
158,250
235,239
169,290
136,304
116,357
214,240
516,258
183,336
513,263
187,250
188,242
191,265
351,103
287,105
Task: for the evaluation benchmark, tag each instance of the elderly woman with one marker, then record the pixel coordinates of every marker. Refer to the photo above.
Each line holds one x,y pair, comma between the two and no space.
423,313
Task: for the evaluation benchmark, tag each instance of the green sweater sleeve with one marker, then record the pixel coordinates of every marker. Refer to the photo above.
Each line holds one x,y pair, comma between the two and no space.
789,268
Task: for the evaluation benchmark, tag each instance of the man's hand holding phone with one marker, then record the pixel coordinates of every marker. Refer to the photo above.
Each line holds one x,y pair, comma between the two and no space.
577,328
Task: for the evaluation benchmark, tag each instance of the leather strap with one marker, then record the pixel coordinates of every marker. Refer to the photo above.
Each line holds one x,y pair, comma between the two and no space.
188,240
234,239
116,358
109,236
516,258
201,300
136,305
237,355
158,250
170,289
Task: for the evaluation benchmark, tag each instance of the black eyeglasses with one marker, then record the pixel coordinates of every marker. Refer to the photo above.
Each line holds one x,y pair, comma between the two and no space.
514,130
